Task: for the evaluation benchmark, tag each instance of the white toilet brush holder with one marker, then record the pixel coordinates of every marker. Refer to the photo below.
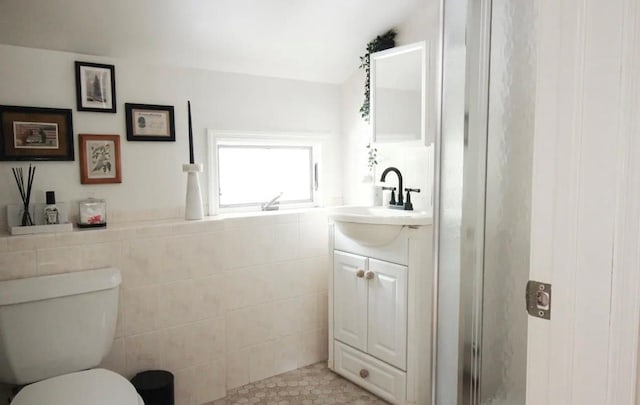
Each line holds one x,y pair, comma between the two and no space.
193,209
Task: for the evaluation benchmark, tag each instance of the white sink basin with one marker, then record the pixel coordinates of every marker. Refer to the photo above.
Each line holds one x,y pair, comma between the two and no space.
375,226
379,215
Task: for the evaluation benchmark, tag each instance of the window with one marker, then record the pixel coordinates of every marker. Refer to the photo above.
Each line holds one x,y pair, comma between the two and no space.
249,172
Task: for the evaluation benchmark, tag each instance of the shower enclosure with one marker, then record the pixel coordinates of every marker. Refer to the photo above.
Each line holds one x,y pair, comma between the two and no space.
562,206
485,200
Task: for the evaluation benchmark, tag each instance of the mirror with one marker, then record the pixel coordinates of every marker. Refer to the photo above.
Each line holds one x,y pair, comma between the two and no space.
398,94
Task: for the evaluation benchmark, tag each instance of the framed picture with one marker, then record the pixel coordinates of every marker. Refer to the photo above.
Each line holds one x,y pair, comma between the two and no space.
99,159
146,122
30,133
95,87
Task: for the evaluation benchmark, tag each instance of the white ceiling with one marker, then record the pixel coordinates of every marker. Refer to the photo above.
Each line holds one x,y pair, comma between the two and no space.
315,40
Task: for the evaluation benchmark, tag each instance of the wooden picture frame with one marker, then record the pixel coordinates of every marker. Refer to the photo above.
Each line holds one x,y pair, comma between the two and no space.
148,122
32,133
99,159
95,87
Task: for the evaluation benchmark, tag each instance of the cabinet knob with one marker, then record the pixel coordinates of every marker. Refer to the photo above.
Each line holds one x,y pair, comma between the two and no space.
360,273
369,275
364,373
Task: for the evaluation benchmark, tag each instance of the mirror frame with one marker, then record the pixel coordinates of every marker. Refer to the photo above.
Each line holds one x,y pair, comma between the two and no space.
389,53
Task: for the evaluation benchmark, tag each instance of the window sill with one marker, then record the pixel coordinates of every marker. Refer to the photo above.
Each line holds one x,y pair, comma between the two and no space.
156,228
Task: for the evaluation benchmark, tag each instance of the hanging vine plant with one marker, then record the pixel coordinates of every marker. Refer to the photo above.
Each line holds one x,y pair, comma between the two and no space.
379,43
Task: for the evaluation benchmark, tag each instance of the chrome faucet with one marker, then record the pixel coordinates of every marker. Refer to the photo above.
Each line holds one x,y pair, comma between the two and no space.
400,203
271,205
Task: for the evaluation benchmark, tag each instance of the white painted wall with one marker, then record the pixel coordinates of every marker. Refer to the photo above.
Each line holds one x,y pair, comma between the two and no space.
153,183
411,160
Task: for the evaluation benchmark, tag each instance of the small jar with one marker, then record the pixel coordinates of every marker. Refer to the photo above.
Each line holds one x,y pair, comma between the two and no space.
93,213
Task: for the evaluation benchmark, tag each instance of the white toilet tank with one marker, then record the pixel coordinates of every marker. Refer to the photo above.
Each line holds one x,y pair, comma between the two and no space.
54,325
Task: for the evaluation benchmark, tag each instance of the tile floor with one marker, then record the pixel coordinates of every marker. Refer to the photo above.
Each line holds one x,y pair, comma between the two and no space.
311,385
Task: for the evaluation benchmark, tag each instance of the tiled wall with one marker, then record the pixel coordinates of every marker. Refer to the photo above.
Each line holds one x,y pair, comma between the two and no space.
220,303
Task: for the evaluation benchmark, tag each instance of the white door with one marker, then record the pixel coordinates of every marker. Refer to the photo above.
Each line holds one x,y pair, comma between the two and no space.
387,312
350,299
586,203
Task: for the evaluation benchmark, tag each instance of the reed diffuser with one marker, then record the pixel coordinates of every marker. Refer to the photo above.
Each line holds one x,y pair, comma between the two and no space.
25,192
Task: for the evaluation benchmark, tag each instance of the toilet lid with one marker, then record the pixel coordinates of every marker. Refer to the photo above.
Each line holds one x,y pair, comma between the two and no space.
95,387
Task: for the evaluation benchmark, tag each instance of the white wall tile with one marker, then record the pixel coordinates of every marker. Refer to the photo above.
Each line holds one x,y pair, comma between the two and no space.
176,303
209,339
258,220
59,260
262,360
17,264
241,287
178,348
140,263
142,310
309,318
172,258
284,242
238,329
120,321
218,304
286,350
29,242
237,368
210,297
262,323
252,285
154,231
216,247
145,352
288,279
314,277
99,255
207,225
287,317
323,309
313,347
235,247
116,359
205,254
314,238
210,381
185,386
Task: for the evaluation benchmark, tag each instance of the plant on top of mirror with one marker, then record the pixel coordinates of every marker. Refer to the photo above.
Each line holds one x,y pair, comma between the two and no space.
379,43
373,157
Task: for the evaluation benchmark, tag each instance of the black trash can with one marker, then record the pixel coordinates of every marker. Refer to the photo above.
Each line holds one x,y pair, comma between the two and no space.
154,386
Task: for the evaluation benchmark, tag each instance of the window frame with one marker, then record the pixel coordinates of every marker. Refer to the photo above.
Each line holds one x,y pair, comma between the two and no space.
216,138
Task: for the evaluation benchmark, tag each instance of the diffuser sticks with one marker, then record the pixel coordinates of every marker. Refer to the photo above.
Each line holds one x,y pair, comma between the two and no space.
25,191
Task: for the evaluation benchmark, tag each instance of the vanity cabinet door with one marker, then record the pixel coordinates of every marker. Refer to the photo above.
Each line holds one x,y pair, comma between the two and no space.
350,299
387,315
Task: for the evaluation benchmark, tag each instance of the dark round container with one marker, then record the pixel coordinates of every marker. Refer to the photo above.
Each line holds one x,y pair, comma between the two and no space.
154,386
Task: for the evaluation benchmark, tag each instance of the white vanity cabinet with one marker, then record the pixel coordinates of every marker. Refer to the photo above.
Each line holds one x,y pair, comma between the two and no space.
372,298
380,311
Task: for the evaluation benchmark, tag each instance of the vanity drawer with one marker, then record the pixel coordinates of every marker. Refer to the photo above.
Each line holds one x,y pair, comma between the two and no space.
372,374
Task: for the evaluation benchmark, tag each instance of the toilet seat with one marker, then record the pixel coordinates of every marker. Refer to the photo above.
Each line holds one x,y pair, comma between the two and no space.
95,387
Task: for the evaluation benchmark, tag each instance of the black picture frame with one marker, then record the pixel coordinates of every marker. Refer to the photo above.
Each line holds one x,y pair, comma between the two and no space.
34,134
150,122
95,87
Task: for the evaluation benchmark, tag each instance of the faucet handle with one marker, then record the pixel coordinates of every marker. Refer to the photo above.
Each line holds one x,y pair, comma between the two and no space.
392,200
408,205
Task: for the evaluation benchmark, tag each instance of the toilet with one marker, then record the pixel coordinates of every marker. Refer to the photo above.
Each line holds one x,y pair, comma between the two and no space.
53,331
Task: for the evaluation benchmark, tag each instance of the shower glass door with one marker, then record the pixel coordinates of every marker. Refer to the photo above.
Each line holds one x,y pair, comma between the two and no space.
501,68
